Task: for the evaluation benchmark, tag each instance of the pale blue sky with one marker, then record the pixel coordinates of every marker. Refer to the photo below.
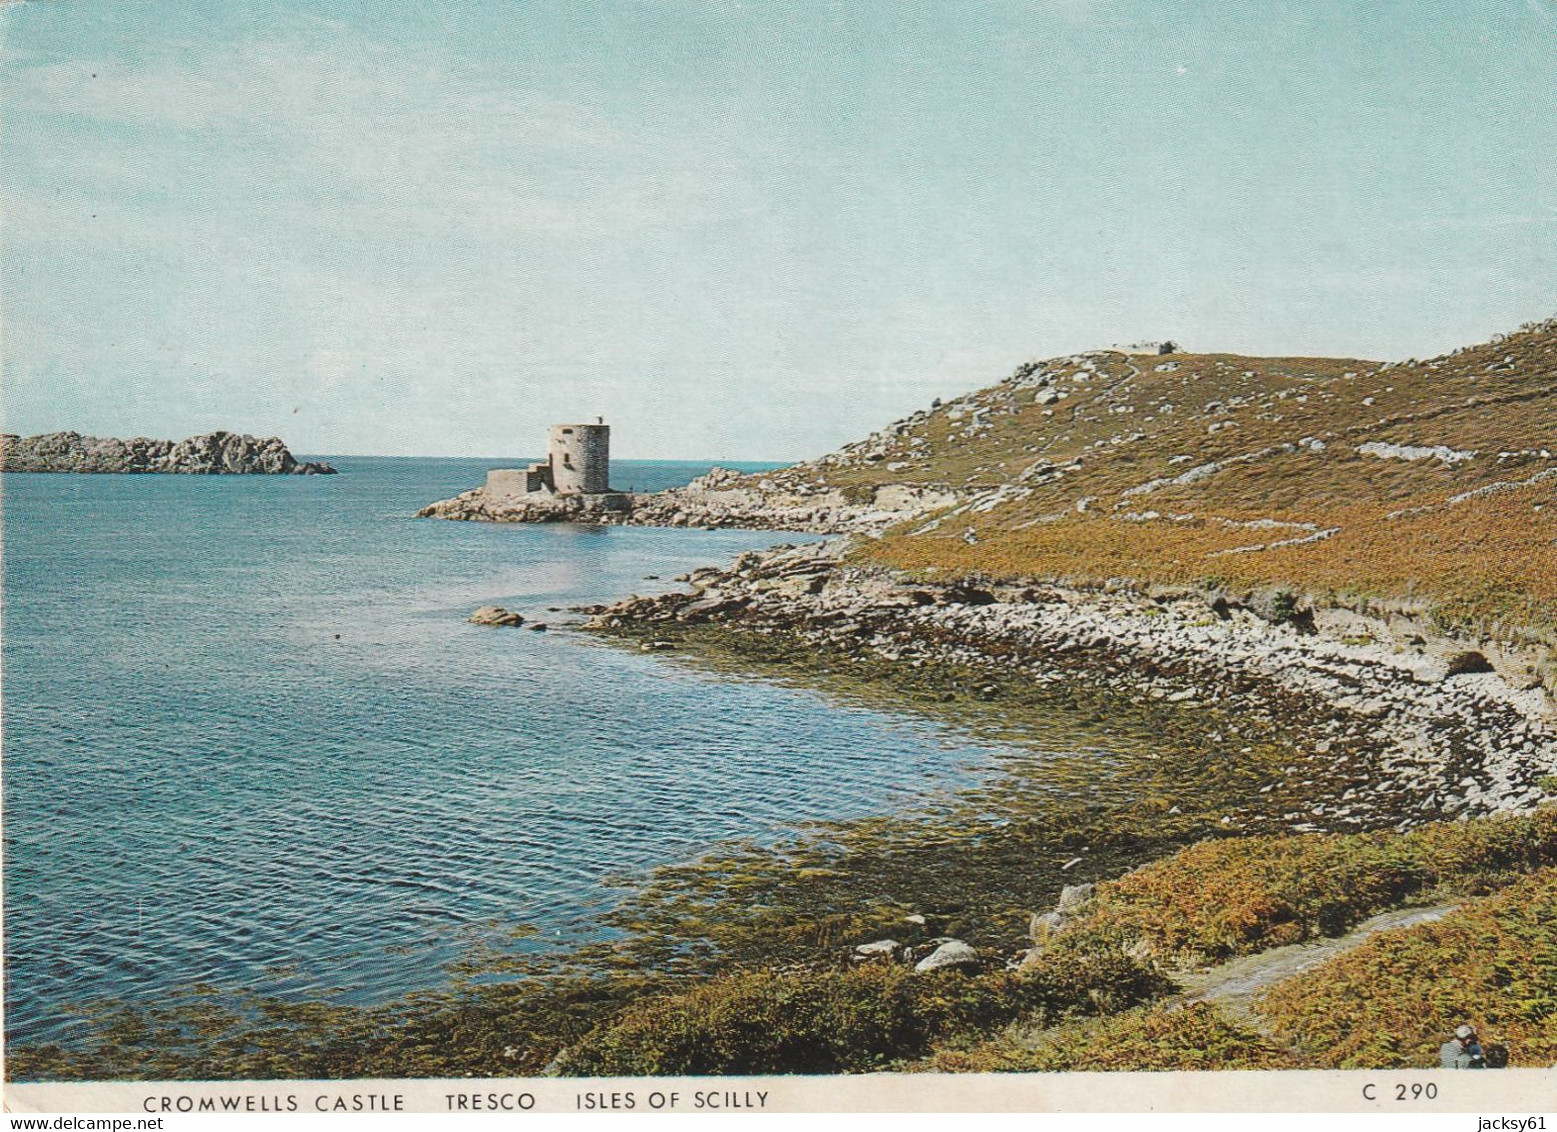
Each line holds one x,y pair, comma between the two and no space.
737,229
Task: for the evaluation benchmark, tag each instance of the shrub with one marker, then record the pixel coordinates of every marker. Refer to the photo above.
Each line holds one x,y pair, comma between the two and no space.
843,1021
1393,1000
1171,1036
1232,897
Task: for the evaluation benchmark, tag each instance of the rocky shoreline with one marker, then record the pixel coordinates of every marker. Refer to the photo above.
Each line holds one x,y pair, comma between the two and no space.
213,453
1412,725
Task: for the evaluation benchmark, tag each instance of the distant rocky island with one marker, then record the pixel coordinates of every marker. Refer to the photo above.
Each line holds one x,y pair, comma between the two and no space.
211,454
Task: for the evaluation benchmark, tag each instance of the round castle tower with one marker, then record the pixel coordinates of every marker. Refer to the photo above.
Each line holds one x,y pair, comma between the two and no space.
580,457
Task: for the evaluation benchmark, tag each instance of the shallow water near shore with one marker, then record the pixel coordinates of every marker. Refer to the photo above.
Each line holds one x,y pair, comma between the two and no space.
250,740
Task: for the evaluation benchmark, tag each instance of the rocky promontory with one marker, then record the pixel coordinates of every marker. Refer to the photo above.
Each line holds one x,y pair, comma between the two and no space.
213,453
785,500
477,505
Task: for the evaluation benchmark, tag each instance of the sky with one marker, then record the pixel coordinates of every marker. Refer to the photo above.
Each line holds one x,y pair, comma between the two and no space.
736,229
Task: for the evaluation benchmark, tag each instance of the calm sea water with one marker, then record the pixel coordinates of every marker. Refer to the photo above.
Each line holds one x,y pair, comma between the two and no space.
251,741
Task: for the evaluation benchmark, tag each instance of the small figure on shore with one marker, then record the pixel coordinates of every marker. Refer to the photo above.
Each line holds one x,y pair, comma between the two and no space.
1462,1051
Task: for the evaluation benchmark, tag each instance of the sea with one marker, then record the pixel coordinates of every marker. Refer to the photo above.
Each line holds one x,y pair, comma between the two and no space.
250,741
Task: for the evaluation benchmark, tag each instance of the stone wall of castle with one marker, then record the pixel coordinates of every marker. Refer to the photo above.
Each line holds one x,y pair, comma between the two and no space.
580,457
505,482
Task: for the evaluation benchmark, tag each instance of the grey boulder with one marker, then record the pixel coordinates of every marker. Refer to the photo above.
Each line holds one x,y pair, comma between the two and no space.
950,953
494,615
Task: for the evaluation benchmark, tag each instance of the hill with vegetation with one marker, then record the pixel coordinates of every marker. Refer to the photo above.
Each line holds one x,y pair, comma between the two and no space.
1429,484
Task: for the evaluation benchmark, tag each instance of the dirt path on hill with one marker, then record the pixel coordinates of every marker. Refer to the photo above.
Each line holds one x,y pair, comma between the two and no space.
1233,986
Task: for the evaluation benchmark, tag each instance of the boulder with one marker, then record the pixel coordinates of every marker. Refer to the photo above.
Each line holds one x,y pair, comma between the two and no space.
880,949
1024,959
1466,663
707,607
1073,896
1045,924
949,953
495,615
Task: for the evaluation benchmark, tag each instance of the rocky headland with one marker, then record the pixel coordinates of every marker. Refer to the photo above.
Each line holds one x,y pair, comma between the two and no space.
783,500
213,453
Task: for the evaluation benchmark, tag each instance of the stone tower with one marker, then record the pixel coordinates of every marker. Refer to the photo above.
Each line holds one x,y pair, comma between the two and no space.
580,458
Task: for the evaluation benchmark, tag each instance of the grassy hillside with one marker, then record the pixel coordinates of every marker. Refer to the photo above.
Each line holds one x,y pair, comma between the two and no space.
1389,1002
1238,896
1430,482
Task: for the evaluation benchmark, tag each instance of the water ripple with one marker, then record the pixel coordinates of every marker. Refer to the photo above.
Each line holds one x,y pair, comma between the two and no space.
250,739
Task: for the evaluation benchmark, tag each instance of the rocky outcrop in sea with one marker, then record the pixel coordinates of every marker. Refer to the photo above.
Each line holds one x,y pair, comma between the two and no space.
496,615
1413,725
786,500
213,453
478,506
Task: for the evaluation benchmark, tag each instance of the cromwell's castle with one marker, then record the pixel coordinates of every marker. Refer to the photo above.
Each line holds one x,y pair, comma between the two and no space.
577,466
